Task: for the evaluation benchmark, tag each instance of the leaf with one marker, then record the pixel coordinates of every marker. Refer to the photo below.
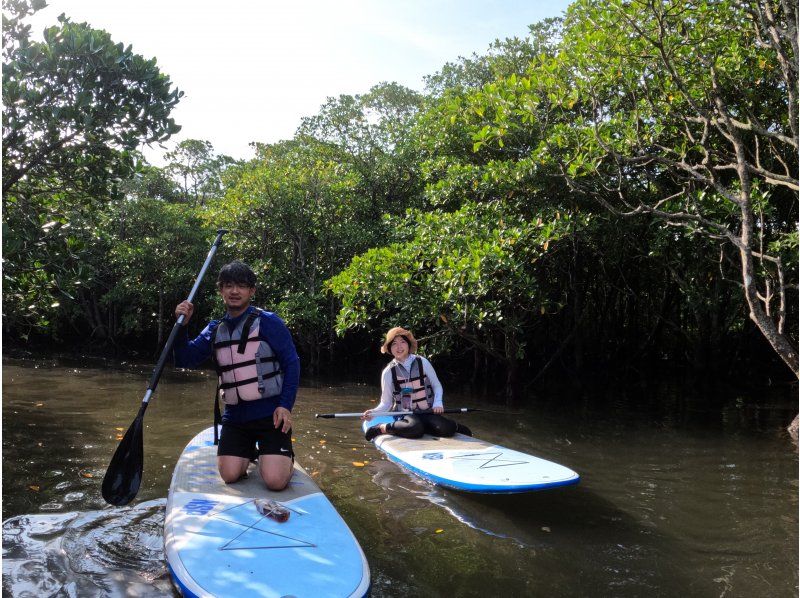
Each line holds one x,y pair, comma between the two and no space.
358,464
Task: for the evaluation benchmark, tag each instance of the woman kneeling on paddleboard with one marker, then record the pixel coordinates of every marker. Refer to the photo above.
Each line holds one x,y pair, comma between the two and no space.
409,383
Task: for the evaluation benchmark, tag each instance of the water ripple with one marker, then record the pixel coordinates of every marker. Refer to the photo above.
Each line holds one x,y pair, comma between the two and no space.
112,552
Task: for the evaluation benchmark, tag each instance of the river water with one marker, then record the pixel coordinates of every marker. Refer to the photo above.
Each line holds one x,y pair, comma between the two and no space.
679,496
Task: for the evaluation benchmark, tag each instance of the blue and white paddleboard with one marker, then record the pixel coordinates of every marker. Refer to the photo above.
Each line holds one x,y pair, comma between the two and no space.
218,544
465,463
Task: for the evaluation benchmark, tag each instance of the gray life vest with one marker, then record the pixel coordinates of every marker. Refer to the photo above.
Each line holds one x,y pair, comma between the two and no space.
411,390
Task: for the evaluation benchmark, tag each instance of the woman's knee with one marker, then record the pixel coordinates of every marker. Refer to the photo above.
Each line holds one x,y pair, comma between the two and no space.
442,426
413,429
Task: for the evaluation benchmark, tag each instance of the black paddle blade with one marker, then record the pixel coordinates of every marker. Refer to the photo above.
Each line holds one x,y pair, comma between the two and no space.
124,473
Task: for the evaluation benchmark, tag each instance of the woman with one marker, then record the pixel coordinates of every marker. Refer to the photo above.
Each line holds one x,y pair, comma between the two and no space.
409,383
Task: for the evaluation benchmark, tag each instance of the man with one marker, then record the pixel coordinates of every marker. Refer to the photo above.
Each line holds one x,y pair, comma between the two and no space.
259,372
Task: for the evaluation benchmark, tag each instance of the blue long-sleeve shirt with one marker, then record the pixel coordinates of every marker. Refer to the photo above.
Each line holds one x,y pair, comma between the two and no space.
271,329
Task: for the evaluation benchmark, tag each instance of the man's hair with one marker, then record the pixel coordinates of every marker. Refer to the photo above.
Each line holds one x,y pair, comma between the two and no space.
237,272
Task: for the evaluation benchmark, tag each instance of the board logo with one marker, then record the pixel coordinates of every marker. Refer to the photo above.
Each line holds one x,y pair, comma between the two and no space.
199,506
433,456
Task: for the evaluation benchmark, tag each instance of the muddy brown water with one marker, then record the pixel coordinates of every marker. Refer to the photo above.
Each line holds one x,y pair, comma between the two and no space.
677,498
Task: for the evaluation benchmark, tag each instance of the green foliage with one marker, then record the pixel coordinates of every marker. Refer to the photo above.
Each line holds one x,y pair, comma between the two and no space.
684,111
198,170
482,214
154,252
373,135
511,56
468,277
151,182
297,215
76,105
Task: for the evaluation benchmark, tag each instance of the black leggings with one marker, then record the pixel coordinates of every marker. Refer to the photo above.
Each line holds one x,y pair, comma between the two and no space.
414,426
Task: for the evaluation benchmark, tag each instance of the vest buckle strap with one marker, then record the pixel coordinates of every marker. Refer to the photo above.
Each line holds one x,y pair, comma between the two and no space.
233,366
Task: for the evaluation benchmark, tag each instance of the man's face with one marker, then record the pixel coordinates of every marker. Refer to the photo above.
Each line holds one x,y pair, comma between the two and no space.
235,295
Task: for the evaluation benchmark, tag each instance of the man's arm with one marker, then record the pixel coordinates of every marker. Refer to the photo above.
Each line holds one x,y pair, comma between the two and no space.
190,354
274,331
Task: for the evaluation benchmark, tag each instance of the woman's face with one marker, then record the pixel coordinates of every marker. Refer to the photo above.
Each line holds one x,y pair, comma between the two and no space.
399,348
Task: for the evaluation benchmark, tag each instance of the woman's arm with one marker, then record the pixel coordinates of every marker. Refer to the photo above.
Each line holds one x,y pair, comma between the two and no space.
438,391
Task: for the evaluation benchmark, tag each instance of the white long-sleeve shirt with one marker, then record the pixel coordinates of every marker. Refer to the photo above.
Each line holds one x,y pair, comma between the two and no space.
387,401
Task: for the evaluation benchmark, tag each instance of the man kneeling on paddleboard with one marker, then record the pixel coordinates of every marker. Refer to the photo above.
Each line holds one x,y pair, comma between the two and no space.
409,383
258,371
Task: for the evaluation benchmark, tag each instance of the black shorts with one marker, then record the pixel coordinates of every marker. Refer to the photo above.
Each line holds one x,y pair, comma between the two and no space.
241,440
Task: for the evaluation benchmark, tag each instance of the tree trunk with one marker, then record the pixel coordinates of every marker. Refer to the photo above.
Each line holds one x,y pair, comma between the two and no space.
758,314
765,323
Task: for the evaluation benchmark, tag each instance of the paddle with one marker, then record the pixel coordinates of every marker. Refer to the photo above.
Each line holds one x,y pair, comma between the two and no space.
377,413
124,473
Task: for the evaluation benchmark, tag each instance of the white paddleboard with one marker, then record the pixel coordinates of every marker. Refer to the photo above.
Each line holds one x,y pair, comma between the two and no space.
218,544
466,463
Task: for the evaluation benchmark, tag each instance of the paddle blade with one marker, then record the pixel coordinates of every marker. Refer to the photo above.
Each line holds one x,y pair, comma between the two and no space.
124,473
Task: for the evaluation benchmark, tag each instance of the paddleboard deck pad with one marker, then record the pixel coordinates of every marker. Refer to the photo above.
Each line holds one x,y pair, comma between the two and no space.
469,464
217,543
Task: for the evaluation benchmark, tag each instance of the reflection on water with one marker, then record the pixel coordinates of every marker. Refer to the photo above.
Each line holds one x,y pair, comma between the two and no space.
115,552
677,496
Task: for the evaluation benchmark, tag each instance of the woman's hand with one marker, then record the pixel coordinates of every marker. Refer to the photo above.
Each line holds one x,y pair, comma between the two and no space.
438,409
282,418
367,415
185,309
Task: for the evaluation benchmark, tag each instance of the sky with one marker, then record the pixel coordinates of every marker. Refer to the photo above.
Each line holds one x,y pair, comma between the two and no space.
252,69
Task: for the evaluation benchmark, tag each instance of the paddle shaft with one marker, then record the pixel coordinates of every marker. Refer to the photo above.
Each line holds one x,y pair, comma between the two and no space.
124,474
398,413
151,386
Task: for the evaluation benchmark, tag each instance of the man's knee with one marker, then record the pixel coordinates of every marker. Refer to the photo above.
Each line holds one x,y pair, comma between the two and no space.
230,476
276,480
276,471
231,469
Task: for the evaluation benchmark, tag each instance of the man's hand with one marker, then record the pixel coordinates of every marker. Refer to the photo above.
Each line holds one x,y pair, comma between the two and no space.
185,309
282,418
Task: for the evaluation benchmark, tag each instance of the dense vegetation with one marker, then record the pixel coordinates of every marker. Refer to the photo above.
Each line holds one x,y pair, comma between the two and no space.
616,191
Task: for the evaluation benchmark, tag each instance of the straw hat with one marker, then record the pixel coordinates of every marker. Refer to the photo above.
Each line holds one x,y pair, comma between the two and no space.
394,333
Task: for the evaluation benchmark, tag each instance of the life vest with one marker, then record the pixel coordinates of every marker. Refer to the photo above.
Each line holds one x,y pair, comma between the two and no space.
246,365
411,390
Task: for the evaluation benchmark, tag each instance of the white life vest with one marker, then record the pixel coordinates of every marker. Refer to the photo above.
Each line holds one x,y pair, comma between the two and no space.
247,367
411,390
